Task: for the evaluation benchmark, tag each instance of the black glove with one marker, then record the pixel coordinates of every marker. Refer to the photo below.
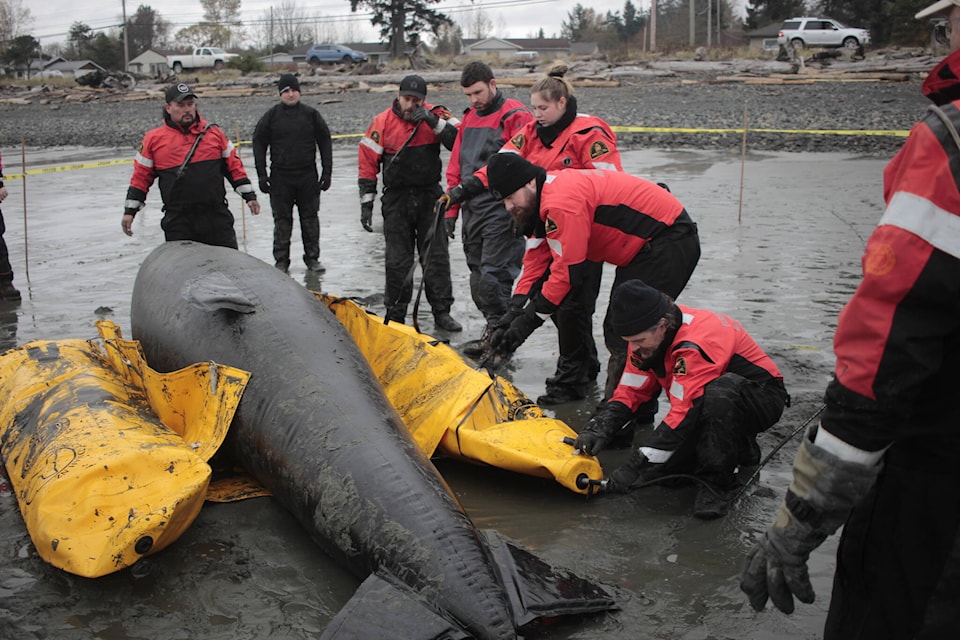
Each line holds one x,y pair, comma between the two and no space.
324,182
506,340
597,433
450,224
514,311
824,490
455,195
366,215
265,185
422,115
626,474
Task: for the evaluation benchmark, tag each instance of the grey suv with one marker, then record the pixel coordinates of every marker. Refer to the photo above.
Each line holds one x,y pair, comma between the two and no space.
821,32
332,53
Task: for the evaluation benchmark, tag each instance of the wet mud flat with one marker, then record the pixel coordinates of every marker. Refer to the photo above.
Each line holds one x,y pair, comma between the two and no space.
781,253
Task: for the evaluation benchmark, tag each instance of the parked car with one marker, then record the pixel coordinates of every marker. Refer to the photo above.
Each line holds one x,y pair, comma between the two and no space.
201,57
821,32
331,53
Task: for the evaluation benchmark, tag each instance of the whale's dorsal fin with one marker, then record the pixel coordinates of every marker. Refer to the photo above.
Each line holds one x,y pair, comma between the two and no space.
214,291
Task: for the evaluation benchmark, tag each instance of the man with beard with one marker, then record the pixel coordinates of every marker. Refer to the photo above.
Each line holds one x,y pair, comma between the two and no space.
884,461
492,249
190,157
588,216
404,143
723,391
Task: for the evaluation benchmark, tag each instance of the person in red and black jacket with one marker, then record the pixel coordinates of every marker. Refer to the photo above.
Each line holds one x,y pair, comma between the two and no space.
7,290
587,216
884,462
493,251
403,143
191,186
723,391
561,137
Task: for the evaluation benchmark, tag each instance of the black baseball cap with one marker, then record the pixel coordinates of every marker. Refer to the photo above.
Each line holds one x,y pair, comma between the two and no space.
178,92
413,86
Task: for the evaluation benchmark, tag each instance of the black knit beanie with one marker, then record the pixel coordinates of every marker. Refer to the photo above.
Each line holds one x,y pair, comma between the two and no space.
507,172
288,81
636,307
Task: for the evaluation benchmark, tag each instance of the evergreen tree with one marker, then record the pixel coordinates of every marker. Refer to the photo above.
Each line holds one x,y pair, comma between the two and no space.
402,19
146,30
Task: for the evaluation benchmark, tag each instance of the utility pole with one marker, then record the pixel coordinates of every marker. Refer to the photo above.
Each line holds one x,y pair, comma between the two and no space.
709,9
693,24
653,25
126,40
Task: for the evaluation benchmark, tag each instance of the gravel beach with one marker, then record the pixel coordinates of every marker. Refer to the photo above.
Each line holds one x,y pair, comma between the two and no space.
690,101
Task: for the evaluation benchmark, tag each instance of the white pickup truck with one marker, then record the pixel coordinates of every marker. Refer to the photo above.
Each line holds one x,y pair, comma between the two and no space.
202,57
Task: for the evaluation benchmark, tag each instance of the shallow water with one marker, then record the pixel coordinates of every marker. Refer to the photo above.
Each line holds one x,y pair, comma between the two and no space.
780,253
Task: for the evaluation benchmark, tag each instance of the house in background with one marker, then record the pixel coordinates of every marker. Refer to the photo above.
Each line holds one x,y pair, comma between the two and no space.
32,68
150,63
764,38
280,60
507,48
378,53
74,68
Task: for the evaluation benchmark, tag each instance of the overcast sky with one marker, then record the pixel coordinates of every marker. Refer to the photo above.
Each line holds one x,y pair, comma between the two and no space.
519,18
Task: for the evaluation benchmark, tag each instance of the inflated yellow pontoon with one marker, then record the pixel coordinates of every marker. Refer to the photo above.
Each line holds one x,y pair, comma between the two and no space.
108,458
463,412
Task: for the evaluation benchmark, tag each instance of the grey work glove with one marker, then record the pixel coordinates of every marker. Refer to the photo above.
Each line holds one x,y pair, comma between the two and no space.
597,433
450,224
265,185
422,115
824,490
366,215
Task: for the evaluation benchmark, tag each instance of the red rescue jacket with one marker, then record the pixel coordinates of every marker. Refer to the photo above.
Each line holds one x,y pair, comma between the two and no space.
201,186
706,345
603,216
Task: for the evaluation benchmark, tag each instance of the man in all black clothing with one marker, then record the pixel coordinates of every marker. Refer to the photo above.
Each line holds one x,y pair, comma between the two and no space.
293,131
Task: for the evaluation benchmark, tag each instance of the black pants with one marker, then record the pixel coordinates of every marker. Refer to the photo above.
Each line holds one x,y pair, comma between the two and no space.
898,565
300,189
578,363
6,271
214,227
732,411
494,254
409,224
665,264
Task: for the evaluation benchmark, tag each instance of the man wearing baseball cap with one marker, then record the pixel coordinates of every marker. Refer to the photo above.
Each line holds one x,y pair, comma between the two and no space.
293,132
403,143
884,460
190,157
723,391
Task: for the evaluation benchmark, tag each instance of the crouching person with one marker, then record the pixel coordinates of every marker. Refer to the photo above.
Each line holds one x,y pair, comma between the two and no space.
723,391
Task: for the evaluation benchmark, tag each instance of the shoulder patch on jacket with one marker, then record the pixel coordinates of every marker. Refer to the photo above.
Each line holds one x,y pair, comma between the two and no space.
518,141
635,359
598,148
680,367
549,225
375,136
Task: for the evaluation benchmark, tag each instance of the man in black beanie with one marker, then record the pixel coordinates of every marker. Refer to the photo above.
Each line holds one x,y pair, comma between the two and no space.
586,215
293,132
723,391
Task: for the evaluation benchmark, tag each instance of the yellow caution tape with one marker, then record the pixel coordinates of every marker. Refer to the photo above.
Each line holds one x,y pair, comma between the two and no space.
898,133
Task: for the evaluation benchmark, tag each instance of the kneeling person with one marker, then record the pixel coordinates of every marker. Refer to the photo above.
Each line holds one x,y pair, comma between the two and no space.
723,391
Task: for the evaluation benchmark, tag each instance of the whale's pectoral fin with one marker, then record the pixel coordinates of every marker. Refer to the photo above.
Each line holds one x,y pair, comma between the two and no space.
215,291
537,590
384,608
